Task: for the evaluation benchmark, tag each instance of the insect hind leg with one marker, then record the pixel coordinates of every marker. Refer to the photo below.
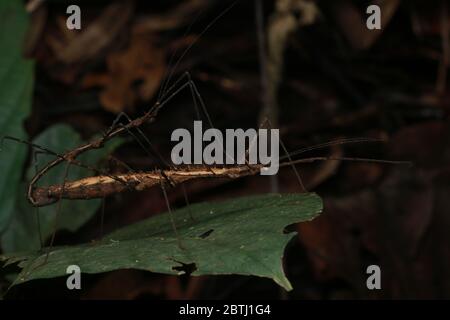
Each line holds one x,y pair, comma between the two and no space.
267,123
172,219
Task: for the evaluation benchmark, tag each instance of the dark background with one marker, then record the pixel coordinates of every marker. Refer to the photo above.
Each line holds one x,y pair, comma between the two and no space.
337,79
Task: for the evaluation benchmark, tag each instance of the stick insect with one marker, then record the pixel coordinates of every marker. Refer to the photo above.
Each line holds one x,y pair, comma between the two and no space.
103,184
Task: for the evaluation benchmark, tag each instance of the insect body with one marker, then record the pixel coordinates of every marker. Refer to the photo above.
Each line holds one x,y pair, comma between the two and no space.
102,186
106,185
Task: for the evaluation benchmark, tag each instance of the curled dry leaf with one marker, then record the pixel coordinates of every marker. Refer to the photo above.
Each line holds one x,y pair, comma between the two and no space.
180,15
95,37
142,62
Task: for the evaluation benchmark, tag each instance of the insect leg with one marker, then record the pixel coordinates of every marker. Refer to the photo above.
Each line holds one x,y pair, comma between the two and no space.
297,174
102,217
147,145
172,220
55,226
38,219
196,93
58,212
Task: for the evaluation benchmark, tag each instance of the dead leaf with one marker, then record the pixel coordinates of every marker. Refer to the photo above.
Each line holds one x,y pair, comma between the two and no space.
97,36
143,62
177,16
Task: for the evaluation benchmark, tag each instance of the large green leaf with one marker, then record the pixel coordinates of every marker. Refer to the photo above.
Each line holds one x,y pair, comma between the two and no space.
241,236
16,86
23,231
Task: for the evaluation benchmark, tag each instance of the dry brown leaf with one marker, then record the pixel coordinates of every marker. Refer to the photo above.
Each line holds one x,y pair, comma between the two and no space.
97,36
142,62
176,17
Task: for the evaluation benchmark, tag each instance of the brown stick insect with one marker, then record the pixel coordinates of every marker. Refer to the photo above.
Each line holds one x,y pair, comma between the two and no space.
103,184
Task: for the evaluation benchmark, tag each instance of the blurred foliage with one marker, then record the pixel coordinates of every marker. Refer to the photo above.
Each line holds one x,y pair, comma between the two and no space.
16,87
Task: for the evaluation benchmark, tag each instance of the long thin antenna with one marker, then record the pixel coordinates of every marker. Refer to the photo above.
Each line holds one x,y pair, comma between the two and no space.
168,71
224,12
332,143
314,159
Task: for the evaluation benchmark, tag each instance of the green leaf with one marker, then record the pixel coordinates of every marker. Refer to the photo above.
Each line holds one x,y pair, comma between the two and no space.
16,87
242,236
23,231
